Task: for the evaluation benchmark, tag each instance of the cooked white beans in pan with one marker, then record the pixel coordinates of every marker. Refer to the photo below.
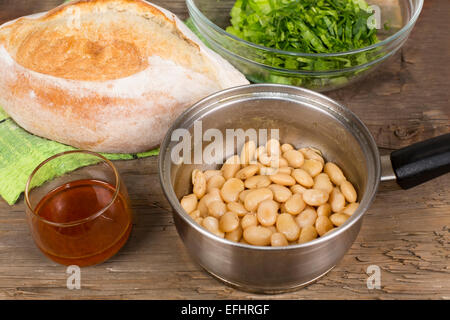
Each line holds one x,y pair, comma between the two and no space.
272,195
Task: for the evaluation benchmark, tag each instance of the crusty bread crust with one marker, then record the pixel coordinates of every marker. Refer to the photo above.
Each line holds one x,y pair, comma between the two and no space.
105,75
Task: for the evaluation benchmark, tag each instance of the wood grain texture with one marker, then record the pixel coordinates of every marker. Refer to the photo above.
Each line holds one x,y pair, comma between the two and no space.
405,233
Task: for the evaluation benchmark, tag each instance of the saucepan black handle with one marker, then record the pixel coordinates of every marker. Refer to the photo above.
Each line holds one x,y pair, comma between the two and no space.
422,161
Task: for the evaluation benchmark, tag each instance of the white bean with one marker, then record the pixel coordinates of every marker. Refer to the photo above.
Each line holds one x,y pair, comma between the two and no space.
255,197
243,194
231,189
256,182
294,158
295,204
312,154
217,208
234,235
199,182
249,220
287,226
229,222
286,147
265,159
278,239
212,225
257,235
315,197
306,218
313,167
303,178
280,193
285,170
348,191
237,207
307,234
267,213
323,225
189,203
195,214
211,173
247,172
338,219
213,195
337,200
351,208
267,171
335,173
231,166
322,181
216,181
282,179
282,163
324,210
298,189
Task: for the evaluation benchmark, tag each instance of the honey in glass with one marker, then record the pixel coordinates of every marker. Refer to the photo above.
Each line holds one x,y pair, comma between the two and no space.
80,221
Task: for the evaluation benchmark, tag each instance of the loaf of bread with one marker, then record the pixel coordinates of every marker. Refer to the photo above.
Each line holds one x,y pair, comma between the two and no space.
105,75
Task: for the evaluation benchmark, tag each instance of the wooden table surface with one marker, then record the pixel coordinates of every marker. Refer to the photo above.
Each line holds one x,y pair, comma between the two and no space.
405,233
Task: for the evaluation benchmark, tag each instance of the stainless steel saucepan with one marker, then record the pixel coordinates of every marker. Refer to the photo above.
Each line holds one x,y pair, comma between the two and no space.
304,118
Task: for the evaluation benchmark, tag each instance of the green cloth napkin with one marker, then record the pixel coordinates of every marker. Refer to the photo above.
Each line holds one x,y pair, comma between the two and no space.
21,152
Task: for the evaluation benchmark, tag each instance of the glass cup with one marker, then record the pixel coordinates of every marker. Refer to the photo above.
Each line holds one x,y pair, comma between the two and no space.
78,208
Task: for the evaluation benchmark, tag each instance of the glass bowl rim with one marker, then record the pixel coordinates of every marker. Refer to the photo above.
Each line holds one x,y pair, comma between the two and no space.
80,221
297,72
191,6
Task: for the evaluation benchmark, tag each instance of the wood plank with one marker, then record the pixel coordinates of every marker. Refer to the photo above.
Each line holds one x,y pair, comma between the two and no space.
406,233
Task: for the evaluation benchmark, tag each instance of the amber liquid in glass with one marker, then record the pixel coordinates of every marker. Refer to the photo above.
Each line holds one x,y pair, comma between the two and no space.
95,239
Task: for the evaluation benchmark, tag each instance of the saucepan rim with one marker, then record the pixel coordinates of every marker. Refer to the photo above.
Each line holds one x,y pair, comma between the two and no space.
192,113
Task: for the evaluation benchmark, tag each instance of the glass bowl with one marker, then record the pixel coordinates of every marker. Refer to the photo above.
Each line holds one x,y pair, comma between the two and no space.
319,72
